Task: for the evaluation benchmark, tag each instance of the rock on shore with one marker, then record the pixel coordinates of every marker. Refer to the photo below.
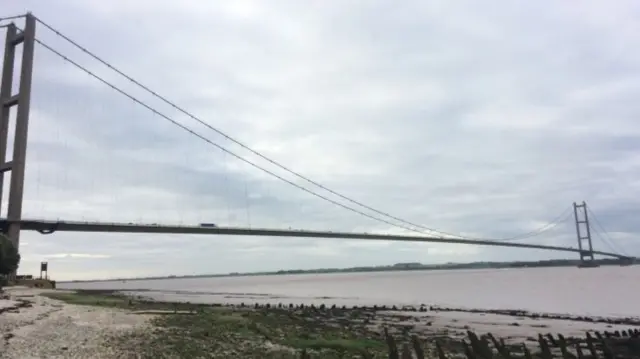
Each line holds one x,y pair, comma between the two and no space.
33,326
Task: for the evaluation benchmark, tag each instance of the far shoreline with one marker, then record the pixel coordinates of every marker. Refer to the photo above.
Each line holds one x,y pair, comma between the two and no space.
399,267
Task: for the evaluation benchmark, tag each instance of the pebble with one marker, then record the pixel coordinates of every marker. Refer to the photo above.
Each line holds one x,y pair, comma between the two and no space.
52,329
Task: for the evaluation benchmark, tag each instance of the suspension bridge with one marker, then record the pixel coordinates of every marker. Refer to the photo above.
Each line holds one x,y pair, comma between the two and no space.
16,93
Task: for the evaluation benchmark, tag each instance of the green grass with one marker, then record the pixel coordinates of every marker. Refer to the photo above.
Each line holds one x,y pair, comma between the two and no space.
89,299
225,332
247,334
206,331
347,345
113,299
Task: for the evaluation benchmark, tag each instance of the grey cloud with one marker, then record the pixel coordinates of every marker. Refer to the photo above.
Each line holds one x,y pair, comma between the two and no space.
474,119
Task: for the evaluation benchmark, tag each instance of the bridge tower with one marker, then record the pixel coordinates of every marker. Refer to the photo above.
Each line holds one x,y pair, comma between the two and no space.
583,232
21,101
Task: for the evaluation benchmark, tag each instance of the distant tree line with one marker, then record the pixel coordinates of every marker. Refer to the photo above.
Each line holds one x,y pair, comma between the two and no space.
400,267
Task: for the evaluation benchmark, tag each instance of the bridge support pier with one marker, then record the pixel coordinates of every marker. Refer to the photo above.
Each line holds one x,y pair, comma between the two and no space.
21,100
583,232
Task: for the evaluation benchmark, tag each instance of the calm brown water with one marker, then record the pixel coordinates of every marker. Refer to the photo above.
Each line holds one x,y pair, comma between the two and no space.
605,291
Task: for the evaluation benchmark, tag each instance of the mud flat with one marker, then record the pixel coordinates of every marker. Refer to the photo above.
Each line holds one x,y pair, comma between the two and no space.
106,324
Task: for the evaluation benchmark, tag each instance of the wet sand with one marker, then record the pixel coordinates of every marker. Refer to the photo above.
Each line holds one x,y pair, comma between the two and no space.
33,325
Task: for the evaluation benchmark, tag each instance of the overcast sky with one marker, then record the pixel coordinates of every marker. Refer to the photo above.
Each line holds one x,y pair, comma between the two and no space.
472,118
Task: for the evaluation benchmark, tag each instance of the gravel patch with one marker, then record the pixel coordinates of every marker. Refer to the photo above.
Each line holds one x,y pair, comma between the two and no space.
53,329
7,303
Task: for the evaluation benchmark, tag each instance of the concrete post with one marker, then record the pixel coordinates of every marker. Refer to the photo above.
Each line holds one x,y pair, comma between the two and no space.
577,220
14,215
586,223
5,96
22,100
589,262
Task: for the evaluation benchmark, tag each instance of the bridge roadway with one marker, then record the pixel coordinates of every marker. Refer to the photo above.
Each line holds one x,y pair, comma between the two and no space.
47,227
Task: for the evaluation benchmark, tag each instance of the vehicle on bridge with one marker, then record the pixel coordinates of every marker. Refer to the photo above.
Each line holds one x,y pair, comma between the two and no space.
208,225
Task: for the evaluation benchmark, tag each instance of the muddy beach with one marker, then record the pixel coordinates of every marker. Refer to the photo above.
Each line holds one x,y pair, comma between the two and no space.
104,324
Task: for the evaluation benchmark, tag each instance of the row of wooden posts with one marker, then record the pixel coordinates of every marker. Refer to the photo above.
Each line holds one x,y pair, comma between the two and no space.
623,344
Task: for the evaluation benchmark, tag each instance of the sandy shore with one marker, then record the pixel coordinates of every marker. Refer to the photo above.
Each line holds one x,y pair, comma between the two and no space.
34,326
49,328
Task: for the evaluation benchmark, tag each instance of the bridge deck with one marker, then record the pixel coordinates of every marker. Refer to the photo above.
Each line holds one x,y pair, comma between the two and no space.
46,227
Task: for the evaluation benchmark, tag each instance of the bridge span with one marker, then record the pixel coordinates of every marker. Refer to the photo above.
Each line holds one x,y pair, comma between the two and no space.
48,227
20,103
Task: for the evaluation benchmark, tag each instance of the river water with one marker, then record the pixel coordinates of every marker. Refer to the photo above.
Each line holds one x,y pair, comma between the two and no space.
606,291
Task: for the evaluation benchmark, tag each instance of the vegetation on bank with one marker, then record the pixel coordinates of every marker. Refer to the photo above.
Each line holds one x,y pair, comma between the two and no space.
9,259
196,331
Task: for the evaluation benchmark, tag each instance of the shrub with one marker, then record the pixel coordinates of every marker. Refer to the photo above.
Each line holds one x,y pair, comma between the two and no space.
9,256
